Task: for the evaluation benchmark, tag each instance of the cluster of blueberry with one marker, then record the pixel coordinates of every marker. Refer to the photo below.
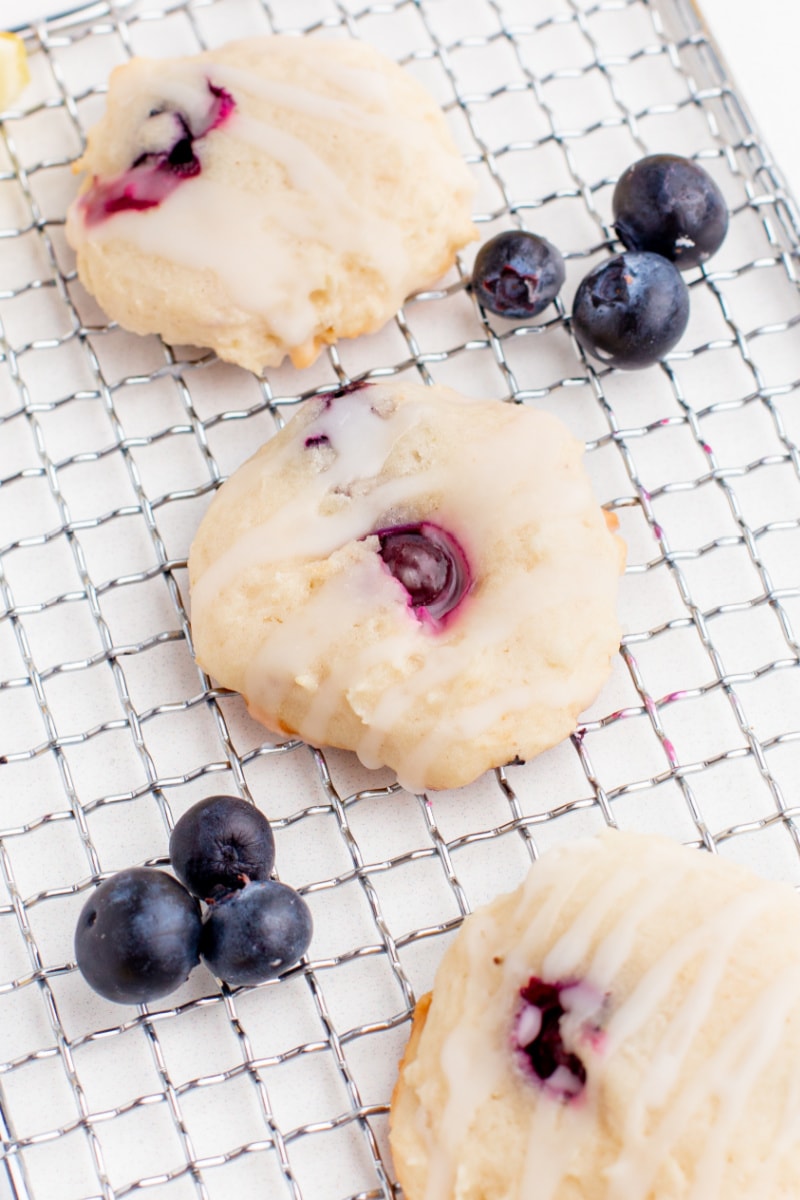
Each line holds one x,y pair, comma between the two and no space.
142,932
631,310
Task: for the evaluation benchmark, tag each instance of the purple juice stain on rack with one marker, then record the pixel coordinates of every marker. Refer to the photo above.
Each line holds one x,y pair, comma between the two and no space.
670,751
620,714
347,389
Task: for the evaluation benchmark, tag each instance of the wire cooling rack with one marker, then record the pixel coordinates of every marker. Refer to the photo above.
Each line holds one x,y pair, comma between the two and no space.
110,448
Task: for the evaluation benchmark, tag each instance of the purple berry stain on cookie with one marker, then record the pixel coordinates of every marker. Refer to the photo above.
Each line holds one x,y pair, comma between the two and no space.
224,104
539,1036
316,439
431,566
155,174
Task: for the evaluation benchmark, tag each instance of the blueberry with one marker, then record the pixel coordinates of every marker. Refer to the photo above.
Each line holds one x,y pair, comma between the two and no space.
545,1042
546,1052
155,174
138,936
429,563
182,160
631,310
179,158
256,933
219,844
517,274
670,206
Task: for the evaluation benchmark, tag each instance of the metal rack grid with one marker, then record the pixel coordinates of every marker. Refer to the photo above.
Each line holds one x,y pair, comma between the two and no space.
110,446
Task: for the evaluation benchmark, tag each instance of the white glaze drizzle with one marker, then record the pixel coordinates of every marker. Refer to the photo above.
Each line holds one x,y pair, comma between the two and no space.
177,231
318,105
727,1076
744,1057
787,1137
711,944
362,441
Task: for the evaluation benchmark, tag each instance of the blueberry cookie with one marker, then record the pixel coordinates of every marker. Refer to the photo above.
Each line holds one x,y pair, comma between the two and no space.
624,1026
267,198
421,578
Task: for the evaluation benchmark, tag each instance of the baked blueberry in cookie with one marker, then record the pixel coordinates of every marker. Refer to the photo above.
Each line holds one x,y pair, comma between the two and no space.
540,1041
156,172
430,565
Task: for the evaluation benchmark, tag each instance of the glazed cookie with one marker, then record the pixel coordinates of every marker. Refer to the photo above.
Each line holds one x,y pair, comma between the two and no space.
424,579
624,1026
267,198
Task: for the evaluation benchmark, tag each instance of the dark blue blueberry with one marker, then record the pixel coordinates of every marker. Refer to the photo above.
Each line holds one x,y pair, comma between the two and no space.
517,274
137,936
429,563
670,206
631,310
219,844
256,933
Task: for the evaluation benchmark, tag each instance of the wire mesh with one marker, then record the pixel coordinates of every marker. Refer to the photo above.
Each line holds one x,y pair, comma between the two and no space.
110,447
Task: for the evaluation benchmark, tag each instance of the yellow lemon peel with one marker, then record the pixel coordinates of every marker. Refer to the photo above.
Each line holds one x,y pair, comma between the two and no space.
14,73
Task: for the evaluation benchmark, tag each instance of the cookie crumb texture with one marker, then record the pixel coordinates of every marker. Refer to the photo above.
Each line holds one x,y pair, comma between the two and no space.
421,578
267,198
624,1026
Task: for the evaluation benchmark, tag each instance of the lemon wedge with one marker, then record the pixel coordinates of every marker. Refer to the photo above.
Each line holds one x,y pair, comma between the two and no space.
14,73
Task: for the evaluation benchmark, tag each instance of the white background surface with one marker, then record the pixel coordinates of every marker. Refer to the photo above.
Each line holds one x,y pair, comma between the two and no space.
759,42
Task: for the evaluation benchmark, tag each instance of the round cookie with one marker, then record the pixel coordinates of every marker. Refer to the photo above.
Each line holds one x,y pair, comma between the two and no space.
268,197
421,578
623,1026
